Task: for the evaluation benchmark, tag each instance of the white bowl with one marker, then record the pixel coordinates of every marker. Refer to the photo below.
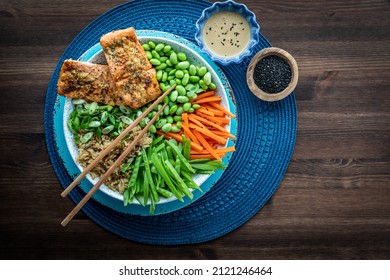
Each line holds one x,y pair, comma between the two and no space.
95,55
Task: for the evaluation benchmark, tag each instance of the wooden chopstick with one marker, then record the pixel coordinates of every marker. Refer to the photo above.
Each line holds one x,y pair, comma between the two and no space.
114,143
111,169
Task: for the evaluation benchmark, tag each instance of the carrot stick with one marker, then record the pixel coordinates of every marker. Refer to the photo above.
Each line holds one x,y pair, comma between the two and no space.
206,145
220,133
178,138
185,119
210,123
205,111
209,99
216,138
205,94
216,112
210,118
220,107
190,135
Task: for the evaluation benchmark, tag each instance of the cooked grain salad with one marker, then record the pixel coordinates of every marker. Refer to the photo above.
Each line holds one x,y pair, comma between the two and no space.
119,179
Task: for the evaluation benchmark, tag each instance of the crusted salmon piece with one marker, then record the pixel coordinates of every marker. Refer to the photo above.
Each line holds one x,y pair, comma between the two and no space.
131,70
88,81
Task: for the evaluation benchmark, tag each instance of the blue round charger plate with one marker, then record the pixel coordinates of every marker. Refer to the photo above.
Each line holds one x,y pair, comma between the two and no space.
264,142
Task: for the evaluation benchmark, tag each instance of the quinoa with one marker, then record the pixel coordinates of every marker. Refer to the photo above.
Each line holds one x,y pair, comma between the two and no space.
118,180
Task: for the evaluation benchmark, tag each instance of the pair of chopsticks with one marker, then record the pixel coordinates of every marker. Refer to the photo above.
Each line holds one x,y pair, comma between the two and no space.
118,161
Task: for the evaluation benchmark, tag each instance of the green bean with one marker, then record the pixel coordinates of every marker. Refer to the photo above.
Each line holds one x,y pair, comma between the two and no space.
181,184
149,176
164,192
161,170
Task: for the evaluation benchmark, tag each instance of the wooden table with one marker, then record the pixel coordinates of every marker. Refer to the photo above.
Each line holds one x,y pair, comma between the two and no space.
334,202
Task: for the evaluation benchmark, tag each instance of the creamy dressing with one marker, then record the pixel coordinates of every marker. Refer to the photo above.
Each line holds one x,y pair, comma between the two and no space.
226,34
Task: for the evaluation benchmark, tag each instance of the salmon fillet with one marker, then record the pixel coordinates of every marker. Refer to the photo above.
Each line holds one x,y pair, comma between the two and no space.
88,81
134,76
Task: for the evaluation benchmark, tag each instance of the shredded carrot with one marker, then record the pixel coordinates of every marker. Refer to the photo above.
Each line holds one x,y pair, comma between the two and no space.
209,99
206,145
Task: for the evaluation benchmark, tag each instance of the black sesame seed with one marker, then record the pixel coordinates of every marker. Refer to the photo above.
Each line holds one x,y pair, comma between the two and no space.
272,74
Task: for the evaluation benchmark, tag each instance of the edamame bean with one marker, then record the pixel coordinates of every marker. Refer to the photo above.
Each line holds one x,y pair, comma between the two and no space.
151,44
202,84
159,75
170,119
191,110
179,111
164,76
177,118
168,62
192,95
146,47
155,54
207,78
159,47
173,71
173,95
166,99
181,90
167,48
201,71
179,74
166,110
212,86
183,65
192,70
163,59
149,55
171,78
182,99
194,79
181,56
173,109
173,58
152,129
185,79
175,128
195,106
172,82
166,127
178,81
142,123
155,61
186,106
160,123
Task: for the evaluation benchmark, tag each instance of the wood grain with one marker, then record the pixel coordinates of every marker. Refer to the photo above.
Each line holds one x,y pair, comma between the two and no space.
334,201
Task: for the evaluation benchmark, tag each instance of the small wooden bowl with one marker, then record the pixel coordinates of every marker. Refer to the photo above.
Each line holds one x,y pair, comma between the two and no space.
272,96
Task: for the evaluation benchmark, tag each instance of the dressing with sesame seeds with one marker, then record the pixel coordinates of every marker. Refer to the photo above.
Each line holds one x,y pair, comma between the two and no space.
226,34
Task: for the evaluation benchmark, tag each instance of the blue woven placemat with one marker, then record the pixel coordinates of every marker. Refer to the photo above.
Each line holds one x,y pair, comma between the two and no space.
265,138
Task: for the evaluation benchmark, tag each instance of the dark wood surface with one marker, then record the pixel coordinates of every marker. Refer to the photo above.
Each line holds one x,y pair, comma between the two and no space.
334,201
